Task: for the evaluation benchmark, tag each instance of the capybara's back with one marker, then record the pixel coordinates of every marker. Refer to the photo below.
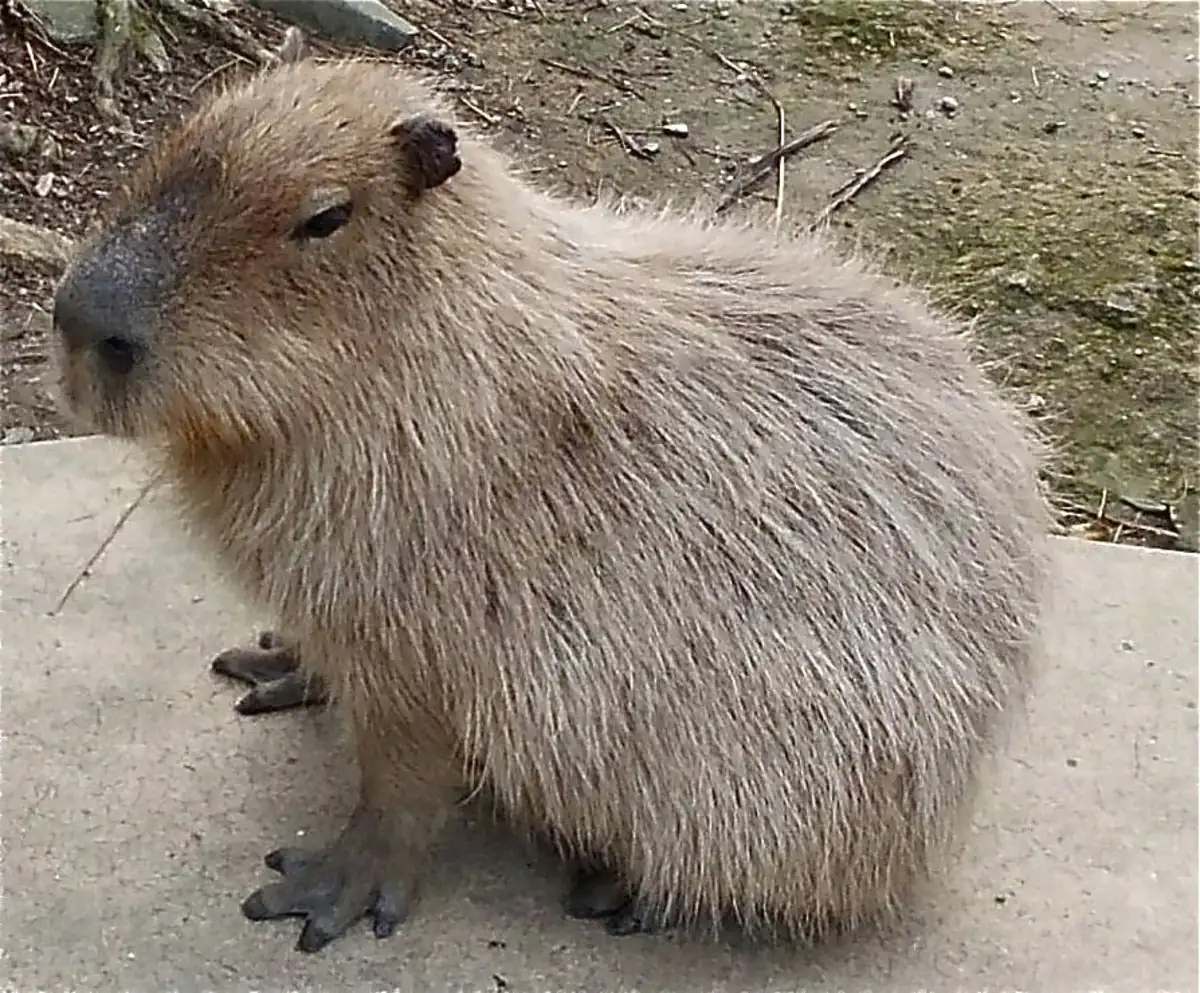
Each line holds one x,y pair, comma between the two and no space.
795,585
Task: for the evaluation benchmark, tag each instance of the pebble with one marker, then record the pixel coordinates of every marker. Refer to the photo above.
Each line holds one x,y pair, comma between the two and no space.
948,105
1103,75
946,72
1138,131
676,128
1050,127
17,436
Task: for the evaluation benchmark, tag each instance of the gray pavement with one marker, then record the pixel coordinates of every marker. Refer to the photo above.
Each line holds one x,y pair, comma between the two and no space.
137,805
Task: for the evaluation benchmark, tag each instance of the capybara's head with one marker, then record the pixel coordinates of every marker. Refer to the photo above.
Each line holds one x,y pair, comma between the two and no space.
258,262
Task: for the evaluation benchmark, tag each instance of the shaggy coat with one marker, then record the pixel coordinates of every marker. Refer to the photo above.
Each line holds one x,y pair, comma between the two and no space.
706,550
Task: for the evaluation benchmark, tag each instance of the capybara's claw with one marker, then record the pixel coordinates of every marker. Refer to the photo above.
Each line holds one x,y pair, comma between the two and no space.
273,670
331,890
597,894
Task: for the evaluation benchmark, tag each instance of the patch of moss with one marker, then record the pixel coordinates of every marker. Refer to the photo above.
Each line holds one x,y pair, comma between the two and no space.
1090,290
879,32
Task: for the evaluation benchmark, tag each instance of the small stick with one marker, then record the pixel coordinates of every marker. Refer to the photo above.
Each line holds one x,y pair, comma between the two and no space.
849,192
631,146
584,72
216,25
479,111
624,24
207,77
765,164
1108,520
758,84
108,540
782,162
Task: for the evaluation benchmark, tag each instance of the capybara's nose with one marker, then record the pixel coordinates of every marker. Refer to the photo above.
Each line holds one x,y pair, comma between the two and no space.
93,314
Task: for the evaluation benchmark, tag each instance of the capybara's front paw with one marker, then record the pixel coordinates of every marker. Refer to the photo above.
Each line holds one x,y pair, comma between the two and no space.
333,888
598,894
278,681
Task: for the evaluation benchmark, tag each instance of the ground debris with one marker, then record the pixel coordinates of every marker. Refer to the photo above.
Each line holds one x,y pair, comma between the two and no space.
861,180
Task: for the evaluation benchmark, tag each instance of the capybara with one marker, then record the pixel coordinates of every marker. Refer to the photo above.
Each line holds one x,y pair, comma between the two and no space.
705,550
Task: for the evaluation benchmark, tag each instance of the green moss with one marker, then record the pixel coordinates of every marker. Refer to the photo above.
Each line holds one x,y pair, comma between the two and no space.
847,31
1089,288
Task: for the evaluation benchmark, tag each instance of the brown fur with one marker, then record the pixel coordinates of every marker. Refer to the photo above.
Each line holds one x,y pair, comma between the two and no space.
705,550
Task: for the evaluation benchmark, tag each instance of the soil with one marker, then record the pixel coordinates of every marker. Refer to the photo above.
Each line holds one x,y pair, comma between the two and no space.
1049,185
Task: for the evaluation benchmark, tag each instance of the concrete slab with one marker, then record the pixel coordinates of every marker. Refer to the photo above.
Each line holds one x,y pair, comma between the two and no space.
138,806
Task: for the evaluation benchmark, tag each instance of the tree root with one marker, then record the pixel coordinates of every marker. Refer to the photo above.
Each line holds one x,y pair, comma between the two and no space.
132,28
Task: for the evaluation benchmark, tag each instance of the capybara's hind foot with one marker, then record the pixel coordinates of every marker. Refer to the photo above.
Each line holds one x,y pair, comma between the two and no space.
273,670
598,894
335,887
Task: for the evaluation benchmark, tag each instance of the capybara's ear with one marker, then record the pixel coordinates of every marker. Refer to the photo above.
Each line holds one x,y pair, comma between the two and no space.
293,48
429,149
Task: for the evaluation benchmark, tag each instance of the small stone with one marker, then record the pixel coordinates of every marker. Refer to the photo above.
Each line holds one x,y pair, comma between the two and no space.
651,147
1103,75
946,72
1051,127
19,435
676,129
1138,131
350,22
68,21
44,184
1019,281
948,105
1126,645
1124,308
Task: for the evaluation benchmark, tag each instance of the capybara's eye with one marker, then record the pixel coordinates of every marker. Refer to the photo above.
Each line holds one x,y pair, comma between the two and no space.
323,223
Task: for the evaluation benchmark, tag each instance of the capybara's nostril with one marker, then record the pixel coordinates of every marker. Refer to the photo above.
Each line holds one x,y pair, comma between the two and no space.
118,354
94,313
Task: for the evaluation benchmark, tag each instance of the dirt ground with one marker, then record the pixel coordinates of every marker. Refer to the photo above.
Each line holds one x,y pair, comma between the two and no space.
1048,188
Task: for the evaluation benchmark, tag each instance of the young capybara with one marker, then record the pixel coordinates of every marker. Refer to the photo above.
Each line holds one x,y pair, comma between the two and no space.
706,551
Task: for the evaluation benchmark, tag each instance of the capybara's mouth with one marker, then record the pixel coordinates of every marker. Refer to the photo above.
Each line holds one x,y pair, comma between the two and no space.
87,393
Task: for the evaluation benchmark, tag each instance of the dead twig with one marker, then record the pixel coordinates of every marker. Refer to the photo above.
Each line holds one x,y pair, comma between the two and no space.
586,72
108,540
632,147
782,161
212,73
479,112
849,190
17,17
781,118
218,27
1100,518
1066,15
766,163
